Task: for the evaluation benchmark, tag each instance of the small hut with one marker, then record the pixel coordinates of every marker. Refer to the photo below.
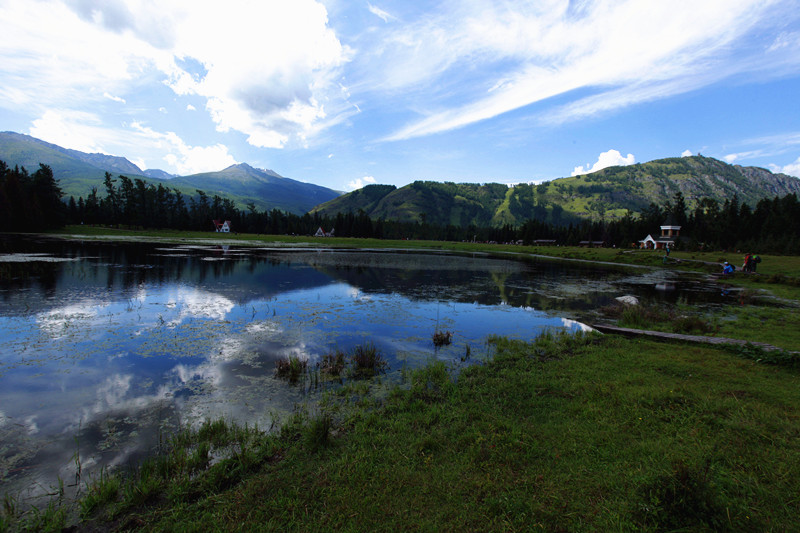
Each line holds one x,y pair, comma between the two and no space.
222,227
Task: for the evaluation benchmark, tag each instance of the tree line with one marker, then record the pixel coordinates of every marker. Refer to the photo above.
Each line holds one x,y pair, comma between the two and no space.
32,202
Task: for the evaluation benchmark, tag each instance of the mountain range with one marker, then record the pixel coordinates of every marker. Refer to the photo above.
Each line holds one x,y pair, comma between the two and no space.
78,172
607,194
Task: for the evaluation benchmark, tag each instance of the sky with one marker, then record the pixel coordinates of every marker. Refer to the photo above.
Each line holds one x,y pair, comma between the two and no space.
344,93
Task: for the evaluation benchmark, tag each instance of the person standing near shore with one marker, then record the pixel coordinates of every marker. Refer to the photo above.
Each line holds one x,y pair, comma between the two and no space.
727,269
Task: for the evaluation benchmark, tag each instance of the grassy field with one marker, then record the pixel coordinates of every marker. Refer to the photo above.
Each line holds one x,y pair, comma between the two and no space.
586,433
564,434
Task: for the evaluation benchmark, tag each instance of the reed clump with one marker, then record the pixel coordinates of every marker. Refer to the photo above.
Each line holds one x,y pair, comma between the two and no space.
334,363
291,368
367,361
442,338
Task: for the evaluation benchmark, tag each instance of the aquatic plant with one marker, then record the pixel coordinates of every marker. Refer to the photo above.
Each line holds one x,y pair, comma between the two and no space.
290,368
442,338
366,361
333,363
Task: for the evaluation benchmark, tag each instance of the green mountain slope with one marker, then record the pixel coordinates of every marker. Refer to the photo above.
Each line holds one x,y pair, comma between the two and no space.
608,194
264,188
77,172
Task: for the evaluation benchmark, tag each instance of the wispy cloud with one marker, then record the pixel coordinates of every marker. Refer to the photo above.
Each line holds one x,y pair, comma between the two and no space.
767,146
114,98
380,13
622,53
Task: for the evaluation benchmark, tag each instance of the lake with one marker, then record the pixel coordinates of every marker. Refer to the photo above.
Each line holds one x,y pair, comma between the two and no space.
108,347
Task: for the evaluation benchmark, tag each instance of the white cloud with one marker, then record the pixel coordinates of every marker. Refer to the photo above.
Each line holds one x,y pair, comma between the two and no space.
77,130
114,98
360,182
606,159
621,53
190,107
380,13
183,158
270,70
83,131
686,153
274,98
792,169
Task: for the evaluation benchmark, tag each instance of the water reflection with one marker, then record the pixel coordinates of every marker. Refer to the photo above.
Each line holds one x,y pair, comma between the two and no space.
107,347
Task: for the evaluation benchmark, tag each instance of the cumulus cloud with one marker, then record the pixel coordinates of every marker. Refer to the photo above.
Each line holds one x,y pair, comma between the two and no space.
360,182
606,159
270,70
273,98
686,153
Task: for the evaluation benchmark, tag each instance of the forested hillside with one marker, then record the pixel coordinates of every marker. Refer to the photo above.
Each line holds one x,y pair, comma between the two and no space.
608,194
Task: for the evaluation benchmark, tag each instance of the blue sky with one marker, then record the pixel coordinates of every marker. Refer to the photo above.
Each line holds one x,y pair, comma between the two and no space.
344,93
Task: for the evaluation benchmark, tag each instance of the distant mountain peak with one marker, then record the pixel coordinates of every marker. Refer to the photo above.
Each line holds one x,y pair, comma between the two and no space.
249,168
78,173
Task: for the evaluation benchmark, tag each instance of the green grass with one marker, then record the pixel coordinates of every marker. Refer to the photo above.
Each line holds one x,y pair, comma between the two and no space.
583,433
777,326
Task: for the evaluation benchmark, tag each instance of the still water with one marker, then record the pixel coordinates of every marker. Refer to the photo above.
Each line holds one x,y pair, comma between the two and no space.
106,348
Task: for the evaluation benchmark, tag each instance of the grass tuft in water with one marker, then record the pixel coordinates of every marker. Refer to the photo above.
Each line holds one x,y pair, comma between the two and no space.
442,338
333,363
367,361
290,368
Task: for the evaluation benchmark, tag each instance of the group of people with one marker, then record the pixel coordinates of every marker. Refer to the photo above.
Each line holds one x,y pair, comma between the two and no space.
749,265
750,262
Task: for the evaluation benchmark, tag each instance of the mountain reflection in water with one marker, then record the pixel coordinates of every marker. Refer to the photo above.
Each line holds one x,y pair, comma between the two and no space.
107,347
